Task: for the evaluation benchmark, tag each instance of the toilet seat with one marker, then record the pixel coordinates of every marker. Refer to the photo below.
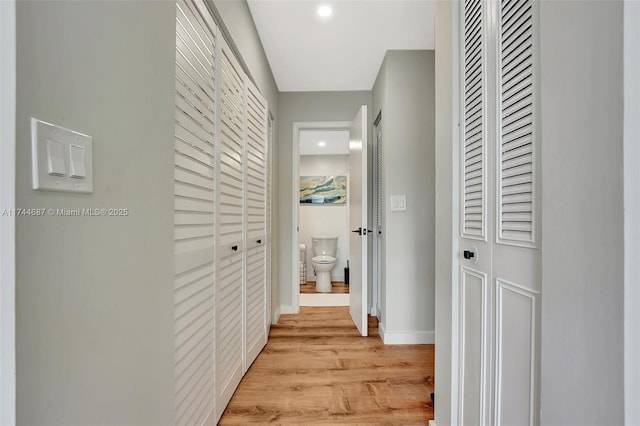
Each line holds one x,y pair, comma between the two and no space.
323,259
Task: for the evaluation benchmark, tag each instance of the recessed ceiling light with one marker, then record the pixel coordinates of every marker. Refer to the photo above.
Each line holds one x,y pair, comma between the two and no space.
325,11
322,143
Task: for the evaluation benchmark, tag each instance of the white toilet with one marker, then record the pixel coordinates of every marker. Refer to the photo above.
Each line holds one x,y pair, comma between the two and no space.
324,252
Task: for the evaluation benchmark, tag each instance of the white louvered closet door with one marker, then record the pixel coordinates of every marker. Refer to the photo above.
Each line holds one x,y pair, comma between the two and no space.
498,307
193,213
230,247
515,272
256,229
475,272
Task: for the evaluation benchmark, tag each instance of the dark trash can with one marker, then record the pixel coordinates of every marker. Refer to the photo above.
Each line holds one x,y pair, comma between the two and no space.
346,273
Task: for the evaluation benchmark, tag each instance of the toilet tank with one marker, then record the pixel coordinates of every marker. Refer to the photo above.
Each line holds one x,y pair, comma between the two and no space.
324,244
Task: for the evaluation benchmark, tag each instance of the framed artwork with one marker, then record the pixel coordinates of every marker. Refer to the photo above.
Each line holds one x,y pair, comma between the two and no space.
323,190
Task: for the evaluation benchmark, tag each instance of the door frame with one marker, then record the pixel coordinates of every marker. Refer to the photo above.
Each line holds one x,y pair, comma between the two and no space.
377,255
456,135
294,308
7,201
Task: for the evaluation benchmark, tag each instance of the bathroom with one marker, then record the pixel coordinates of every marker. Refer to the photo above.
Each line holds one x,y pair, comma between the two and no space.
323,216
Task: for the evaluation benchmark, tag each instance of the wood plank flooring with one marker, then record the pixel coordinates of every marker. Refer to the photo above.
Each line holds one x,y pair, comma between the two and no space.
317,369
336,288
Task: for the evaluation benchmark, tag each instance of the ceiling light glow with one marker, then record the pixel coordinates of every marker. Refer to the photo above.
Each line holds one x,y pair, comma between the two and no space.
322,143
325,11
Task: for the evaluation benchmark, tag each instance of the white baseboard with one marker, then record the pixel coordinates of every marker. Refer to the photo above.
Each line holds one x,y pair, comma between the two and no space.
432,423
406,337
276,316
324,299
288,309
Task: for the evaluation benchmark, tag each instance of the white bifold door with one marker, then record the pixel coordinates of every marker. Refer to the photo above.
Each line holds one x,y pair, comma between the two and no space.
256,227
230,247
497,309
241,292
194,206
221,228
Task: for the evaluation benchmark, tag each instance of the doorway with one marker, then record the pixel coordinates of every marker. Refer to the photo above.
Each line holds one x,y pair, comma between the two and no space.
321,166
348,190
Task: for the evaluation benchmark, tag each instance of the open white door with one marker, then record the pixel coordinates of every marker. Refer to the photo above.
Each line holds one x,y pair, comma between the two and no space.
358,220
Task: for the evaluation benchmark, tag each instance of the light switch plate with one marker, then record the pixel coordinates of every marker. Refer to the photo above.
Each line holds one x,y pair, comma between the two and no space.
62,159
398,203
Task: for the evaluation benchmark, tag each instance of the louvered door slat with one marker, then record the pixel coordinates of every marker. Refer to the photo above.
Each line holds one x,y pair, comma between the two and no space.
473,114
194,197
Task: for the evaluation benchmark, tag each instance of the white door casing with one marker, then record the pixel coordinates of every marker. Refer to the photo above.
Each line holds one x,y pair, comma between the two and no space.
378,245
497,307
269,179
358,220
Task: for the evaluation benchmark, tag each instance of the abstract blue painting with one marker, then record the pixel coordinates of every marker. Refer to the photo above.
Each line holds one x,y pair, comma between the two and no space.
323,189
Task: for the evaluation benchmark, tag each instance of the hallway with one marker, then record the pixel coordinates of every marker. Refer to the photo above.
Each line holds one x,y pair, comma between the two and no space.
317,369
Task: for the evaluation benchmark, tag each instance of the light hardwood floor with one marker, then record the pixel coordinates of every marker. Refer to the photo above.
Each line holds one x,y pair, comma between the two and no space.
336,288
317,369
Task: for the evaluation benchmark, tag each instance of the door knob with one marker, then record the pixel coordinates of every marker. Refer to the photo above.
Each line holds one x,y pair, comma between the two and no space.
359,231
468,254
259,241
234,248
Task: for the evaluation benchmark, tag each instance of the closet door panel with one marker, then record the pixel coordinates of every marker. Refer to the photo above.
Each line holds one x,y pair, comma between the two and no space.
516,255
230,229
194,208
256,196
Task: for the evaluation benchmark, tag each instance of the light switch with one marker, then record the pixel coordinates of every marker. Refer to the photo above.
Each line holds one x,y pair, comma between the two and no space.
76,160
55,158
398,203
62,159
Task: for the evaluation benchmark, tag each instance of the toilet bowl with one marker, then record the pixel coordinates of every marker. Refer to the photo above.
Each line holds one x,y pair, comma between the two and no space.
324,249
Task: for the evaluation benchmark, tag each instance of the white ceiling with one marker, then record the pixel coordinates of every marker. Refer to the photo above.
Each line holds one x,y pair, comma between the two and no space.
342,52
336,142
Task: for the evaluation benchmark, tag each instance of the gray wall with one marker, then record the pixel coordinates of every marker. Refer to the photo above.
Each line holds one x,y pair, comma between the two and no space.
237,20
95,294
582,221
407,100
446,122
292,107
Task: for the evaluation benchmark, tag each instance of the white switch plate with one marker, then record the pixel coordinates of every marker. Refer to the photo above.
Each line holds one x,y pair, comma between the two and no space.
62,159
398,203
